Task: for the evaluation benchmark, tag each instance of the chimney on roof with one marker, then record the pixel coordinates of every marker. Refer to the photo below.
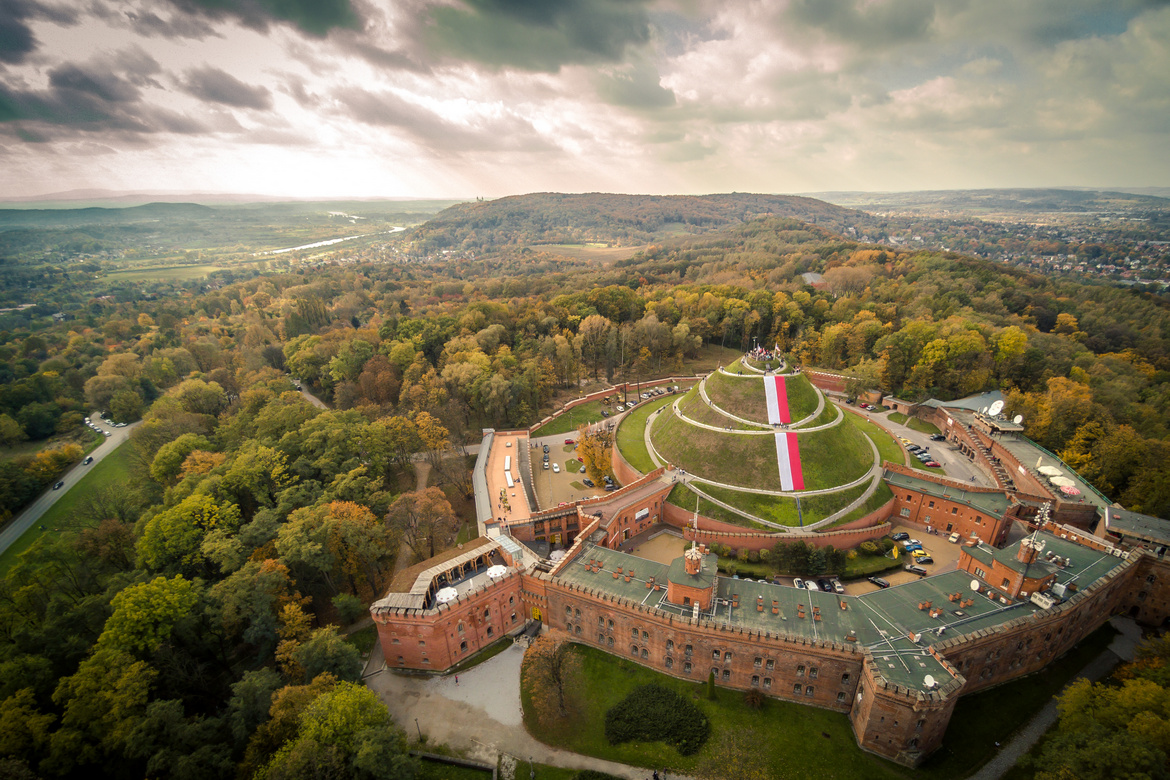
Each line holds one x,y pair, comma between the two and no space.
693,560
1029,549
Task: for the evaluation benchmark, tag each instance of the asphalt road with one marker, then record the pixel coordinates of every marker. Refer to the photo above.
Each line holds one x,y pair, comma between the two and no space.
25,520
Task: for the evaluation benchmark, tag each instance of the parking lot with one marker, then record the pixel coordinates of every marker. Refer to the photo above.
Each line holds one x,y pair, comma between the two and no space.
944,553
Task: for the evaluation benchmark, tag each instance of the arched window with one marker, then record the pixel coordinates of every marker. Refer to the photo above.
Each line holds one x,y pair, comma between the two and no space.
633,649
645,654
669,662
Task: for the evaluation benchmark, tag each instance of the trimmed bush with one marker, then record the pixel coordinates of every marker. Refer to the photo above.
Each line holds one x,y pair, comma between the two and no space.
593,774
869,548
652,713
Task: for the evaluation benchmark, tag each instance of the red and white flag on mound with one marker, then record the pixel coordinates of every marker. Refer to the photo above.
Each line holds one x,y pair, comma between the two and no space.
777,396
788,455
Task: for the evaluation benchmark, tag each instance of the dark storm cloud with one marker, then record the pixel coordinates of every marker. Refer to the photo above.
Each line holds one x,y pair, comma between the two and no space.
315,17
213,85
385,109
537,35
103,94
16,37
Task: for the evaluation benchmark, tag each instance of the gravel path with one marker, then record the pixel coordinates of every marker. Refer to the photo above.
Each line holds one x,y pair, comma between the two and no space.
1121,649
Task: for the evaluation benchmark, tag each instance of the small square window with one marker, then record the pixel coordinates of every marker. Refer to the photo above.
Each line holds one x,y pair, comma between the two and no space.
770,665
812,673
767,682
687,667
808,691
715,655
726,675
755,681
688,650
796,689
727,658
800,671
841,696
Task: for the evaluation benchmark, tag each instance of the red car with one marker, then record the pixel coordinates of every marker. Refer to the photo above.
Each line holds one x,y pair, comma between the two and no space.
934,464
570,441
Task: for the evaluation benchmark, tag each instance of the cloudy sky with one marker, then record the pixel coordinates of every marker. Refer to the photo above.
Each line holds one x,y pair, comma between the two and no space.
462,98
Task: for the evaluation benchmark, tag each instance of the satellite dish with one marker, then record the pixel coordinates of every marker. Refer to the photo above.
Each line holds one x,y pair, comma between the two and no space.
995,408
975,585
1019,418
929,682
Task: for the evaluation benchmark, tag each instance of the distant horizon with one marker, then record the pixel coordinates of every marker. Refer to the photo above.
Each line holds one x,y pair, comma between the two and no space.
165,196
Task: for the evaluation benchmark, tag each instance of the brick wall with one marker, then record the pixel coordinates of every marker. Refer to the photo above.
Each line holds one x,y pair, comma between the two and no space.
944,515
413,639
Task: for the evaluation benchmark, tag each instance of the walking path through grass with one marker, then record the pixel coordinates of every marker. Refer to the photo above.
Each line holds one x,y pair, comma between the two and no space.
1121,649
481,715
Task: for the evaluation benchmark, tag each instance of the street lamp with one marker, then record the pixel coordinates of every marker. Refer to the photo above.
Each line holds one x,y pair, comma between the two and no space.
419,730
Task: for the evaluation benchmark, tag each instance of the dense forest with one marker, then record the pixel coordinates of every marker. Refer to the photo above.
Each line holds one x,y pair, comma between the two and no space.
193,625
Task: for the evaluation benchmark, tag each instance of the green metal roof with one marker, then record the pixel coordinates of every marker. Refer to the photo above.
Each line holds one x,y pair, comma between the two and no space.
879,622
1136,525
991,503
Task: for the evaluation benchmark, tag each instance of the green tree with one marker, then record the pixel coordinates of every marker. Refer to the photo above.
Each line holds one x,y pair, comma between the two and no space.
327,652
145,614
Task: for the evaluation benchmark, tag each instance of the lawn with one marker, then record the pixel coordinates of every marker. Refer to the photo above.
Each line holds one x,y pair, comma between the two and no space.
631,442
112,471
176,272
363,639
865,565
888,448
784,510
776,741
570,421
694,407
683,496
874,502
745,397
914,423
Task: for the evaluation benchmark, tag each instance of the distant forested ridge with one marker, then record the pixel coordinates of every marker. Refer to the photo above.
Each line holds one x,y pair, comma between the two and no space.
550,217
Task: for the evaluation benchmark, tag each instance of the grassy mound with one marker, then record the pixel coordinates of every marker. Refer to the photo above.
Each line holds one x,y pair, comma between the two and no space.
694,407
831,457
631,441
745,397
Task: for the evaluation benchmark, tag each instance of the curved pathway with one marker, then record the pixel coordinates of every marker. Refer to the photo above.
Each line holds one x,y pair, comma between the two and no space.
658,460
794,427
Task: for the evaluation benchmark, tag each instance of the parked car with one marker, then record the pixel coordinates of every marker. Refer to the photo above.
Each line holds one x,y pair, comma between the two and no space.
920,553
810,585
87,461
545,466
910,548
58,486
610,488
900,536
798,582
937,437
925,560
604,413
108,433
921,572
581,470
621,408
953,538
838,587
587,482
932,464
556,468
913,447
914,541
879,582
570,441
826,586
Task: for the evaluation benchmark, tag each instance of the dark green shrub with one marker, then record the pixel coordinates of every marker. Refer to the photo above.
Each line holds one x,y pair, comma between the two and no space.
887,543
593,774
868,548
652,713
